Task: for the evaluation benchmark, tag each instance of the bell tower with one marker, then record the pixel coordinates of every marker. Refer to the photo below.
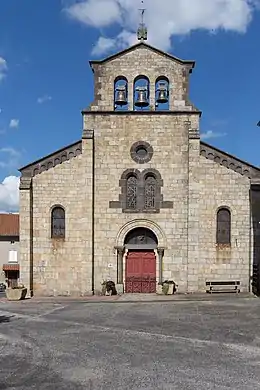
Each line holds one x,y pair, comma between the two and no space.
144,150
141,78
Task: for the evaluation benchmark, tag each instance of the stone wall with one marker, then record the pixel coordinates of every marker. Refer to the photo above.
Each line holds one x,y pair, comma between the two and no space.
220,186
114,136
60,267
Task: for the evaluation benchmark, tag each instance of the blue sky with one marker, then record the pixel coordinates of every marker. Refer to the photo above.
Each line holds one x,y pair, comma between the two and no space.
45,79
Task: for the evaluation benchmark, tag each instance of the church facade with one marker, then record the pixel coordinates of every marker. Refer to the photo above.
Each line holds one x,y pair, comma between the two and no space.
139,199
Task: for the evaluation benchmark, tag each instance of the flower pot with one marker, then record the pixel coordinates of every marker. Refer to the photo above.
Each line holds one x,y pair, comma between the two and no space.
15,294
168,287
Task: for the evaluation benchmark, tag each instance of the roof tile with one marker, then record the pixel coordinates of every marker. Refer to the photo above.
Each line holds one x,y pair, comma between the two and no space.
9,224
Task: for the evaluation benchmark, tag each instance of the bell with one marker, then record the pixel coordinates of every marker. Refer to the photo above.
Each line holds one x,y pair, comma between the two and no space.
162,93
141,100
121,96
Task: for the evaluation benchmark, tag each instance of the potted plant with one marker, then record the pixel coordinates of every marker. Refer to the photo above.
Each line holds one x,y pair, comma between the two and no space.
16,293
109,288
169,287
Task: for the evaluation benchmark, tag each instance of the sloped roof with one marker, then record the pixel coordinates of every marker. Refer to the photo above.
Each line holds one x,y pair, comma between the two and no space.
51,160
143,45
228,160
9,224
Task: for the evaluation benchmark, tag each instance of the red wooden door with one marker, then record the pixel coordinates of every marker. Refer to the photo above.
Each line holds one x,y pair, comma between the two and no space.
140,272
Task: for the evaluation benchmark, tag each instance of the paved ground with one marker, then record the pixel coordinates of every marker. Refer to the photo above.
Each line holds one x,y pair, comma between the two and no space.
117,345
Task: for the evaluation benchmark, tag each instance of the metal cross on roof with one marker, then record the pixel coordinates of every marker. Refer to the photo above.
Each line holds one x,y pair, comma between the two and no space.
142,30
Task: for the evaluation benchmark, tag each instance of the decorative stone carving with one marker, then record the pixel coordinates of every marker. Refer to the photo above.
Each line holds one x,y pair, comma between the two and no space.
88,134
141,152
140,194
228,161
25,183
194,134
52,160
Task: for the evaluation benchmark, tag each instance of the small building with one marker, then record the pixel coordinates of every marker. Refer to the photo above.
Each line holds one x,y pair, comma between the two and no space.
140,198
9,249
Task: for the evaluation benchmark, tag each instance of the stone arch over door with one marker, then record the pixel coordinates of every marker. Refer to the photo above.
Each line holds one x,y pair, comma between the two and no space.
141,238
141,223
154,240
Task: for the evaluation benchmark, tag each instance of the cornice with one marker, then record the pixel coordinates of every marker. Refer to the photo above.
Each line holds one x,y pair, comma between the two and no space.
228,161
50,161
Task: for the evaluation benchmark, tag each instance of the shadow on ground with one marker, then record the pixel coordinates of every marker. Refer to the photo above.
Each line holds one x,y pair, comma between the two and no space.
5,319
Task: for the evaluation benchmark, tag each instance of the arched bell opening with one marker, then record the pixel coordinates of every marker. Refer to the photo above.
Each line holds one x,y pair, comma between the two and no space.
121,94
141,238
162,93
141,93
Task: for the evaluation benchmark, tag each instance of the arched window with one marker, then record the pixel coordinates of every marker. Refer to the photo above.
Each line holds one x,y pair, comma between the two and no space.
131,193
162,93
141,93
141,192
58,222
150,185
121,93
223,226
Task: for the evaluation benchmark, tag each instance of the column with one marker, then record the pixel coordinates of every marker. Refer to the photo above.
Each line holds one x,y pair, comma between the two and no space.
196,262
120,253
160,252
26,259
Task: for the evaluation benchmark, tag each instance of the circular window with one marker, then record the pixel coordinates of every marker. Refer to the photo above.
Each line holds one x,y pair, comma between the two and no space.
141,152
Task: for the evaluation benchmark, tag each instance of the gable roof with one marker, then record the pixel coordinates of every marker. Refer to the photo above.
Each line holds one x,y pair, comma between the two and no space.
143,45
229,161
51,160
9,225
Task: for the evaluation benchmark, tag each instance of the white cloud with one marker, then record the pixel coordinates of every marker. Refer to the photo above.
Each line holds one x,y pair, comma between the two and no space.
211,134
43,99
96,13
9,194
176,17
10,158
104,45
14,123
3,68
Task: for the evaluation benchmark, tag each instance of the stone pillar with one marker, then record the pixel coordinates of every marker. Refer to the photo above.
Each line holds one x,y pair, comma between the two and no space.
120,253
91,278
193,209
160,252
26,239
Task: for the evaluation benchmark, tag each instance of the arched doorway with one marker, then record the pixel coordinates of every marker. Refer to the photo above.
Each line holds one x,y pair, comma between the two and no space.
140,266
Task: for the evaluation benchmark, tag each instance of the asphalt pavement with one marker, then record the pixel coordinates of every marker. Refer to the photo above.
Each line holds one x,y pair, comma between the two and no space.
128,346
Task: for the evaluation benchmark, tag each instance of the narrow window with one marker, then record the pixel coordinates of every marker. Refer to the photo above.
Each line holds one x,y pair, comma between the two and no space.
121,94
223,226
58,222
131,193
141,91
149,192
162,93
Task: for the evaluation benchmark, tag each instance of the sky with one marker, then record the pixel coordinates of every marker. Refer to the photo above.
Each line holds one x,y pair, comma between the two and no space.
45,78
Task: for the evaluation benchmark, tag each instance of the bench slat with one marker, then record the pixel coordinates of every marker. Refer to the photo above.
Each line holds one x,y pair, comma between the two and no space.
223,283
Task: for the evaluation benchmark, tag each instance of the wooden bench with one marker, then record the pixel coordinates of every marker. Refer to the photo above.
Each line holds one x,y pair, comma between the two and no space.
223,286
